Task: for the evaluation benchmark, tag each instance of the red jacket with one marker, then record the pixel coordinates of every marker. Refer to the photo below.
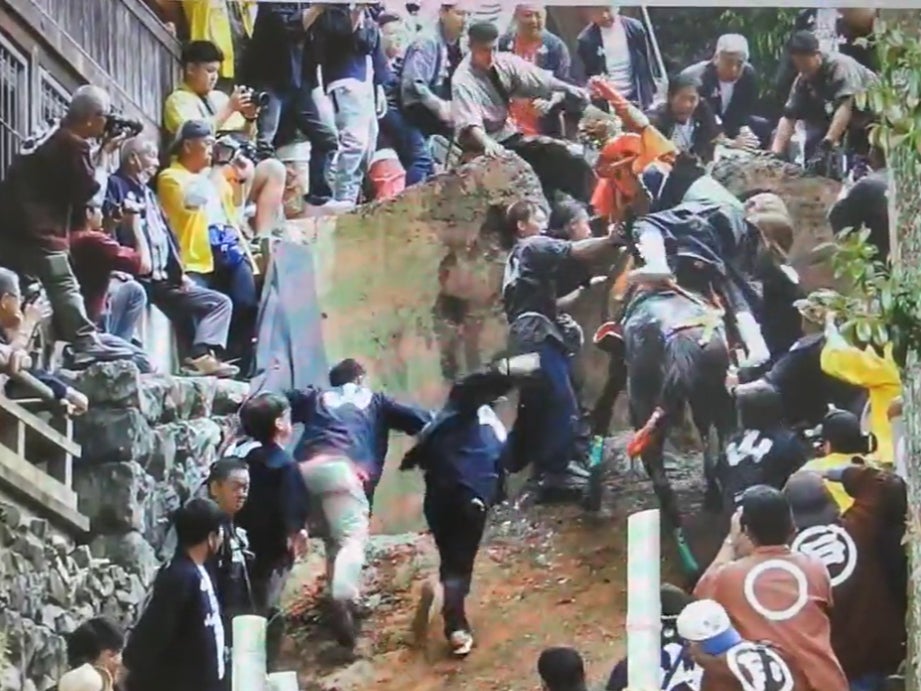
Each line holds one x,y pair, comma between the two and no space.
94,255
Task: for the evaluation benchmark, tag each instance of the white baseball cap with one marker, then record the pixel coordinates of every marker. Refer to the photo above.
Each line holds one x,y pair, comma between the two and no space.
703,620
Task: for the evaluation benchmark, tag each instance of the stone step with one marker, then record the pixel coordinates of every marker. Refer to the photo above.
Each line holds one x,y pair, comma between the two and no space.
158,398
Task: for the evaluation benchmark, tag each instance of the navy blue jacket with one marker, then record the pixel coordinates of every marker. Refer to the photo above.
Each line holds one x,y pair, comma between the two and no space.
341,51
119,188
172,646
369,417
324,431
462,446
277,506
590,48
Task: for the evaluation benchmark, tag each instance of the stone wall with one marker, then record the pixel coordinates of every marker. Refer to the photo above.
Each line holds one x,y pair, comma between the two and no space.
148,442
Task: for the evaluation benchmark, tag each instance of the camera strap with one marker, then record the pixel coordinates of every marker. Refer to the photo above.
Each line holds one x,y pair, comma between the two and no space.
208,105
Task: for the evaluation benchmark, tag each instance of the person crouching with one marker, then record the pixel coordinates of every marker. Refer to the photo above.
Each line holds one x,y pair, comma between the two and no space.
459,453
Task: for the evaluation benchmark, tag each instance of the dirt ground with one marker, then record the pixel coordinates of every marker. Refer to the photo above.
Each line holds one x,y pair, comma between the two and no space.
545,576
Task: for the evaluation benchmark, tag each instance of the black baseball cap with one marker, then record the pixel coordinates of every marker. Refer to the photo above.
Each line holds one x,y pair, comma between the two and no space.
191,129
841,429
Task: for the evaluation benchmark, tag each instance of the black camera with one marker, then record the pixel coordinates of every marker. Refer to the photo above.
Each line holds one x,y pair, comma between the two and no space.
117,125
259,99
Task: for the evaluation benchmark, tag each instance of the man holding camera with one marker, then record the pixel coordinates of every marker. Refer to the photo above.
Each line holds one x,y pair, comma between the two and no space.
130,201
197,98
198,202
38,198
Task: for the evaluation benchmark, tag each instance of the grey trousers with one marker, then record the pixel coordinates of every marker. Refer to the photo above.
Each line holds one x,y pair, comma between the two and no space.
208,310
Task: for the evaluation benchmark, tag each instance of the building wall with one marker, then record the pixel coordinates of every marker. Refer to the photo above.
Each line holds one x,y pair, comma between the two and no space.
48,585
50,47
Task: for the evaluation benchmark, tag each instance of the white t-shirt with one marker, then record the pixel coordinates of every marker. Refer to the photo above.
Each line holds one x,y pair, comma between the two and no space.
617,60
726,89
683,135
214,619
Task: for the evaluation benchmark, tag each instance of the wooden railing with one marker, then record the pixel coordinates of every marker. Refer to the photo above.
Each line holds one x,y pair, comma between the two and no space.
37,451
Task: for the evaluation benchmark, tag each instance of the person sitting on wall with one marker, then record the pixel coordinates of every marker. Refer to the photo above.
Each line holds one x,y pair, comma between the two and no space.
106,272
201,315
481,91
197,98
198,203
18,322
37,198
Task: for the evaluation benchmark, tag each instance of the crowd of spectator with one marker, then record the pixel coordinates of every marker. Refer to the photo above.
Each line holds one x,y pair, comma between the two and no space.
382,96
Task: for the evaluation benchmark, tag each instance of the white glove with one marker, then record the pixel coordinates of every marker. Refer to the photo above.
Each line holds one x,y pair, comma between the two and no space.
520,365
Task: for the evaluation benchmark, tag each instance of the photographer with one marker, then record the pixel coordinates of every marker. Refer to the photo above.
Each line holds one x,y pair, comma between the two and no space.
198,202
37,199
169,288
262,184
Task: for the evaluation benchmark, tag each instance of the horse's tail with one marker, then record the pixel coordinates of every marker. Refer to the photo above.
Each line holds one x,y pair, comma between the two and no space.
682,357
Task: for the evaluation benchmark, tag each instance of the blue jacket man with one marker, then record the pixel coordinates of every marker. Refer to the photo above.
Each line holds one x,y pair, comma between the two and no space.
460,455
369,417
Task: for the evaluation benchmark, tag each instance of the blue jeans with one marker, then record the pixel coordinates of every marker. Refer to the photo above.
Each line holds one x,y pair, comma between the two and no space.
127,301
544,433
868,682
293,110
410,145
356,121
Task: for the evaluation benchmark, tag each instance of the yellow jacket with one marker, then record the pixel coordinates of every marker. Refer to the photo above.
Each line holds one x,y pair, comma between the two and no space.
833,460
878,375
184,104
208,21
190,224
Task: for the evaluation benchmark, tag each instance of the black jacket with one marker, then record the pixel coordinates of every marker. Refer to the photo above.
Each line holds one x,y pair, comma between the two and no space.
706,128
744,95
275,57
173,646
866,204
590,48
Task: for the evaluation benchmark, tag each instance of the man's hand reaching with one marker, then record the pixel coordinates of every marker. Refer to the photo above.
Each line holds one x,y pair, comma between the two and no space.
493,149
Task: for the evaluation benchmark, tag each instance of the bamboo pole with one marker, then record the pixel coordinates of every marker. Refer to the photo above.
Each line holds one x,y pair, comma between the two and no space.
248,654
644,607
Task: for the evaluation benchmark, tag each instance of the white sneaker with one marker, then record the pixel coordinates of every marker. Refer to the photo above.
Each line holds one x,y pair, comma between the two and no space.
461,643
338,207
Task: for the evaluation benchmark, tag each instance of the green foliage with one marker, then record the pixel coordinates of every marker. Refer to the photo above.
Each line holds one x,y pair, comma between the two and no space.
896,97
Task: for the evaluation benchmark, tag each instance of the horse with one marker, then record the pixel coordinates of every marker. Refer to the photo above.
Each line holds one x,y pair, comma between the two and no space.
677,353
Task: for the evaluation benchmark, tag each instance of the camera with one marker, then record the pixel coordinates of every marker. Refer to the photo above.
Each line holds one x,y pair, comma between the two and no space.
260,99
238,148
117,125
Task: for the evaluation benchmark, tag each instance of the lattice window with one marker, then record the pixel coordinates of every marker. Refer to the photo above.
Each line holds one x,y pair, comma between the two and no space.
53,99
14,95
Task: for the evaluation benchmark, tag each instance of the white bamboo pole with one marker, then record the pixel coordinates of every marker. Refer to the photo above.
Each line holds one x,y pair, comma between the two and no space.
283,681
644,607
248,655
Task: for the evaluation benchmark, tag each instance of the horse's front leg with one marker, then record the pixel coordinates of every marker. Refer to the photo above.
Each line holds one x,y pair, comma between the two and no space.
654,463
604,407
